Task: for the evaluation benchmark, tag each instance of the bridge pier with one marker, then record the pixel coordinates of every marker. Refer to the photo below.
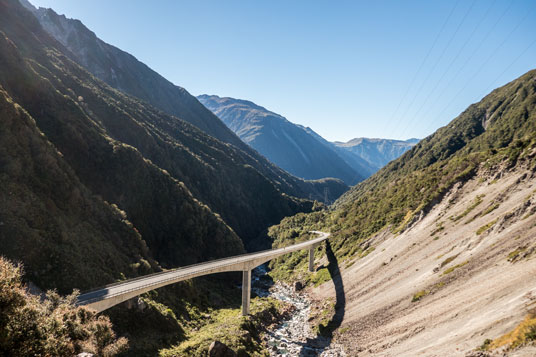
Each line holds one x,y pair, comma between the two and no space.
312,258
246,291
113,294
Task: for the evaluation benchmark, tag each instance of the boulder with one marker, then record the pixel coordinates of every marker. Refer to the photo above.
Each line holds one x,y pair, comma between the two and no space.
218,349
298,285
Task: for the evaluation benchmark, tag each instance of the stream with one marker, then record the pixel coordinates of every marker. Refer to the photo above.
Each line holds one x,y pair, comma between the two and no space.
293,337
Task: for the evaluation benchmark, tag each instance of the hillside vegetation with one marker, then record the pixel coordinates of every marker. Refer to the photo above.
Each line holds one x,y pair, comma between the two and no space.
435,252
49,327
97,186
122,71
497,131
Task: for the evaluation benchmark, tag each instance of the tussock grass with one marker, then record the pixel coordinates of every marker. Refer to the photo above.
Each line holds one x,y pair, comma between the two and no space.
486,227
448,260
419,295
476,202
522,334
451,269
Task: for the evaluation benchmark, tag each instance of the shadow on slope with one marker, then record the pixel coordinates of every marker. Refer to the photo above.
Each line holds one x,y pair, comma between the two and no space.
323,340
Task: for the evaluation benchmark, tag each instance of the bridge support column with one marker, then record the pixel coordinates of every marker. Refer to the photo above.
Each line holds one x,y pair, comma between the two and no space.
246,291
312,258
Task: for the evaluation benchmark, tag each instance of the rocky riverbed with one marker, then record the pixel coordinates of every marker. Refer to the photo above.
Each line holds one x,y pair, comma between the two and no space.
293,337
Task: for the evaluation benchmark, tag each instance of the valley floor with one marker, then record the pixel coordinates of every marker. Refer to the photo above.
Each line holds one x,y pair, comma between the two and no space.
463,273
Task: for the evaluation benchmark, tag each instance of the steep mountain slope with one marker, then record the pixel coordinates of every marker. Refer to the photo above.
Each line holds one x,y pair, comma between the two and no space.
445,285
287,145
89,123
113,144
449,226
50,220
122,71
376,152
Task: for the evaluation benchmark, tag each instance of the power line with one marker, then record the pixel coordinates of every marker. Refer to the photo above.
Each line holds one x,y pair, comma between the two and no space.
506,69
421,65
415,115
482,66
437,62
471,56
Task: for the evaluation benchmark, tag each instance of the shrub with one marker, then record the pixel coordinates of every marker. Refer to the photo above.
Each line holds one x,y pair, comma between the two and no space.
419,295
451,269
522,334
486,227
52,327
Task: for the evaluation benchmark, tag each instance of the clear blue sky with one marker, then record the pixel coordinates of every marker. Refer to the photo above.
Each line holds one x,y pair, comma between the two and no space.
395,69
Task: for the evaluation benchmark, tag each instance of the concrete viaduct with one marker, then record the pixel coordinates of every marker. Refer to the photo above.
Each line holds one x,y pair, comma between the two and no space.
111,295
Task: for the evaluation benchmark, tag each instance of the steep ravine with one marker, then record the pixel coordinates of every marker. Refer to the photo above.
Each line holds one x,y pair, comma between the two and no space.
294,335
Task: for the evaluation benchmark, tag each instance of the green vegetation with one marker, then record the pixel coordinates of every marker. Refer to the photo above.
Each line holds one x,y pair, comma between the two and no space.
366,252
52,327
492,207
344,330
522,334
485,344
451,269
476,202
419,295
242,334
439,227
321,316
407,188
320,277
486,227
448,260
513,256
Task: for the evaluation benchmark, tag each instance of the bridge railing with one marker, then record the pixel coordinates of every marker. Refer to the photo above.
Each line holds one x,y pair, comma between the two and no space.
175,273
170,271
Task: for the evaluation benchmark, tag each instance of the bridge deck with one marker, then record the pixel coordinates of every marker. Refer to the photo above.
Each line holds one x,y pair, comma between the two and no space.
110,295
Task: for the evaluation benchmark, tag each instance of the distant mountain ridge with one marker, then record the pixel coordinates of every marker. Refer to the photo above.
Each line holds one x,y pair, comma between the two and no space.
376,152
280,141
300,150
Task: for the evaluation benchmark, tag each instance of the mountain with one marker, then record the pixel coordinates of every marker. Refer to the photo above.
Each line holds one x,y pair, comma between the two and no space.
436,250
300,150
124,72
97,186
354,160
81,205
225,189
376,152
287,145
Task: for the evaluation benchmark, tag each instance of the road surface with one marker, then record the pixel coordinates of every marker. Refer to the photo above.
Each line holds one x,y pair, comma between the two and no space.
110,295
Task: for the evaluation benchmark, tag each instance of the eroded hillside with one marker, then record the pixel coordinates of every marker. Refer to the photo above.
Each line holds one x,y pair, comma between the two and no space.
436,249
460,275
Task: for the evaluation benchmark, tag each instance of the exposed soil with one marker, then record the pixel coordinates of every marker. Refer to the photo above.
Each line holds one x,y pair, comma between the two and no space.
486,293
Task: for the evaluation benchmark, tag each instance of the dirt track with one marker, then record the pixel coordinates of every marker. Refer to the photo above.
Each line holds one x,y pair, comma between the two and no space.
484,298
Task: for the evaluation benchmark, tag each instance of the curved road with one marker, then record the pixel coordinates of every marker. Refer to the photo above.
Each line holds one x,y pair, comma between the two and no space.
110,295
